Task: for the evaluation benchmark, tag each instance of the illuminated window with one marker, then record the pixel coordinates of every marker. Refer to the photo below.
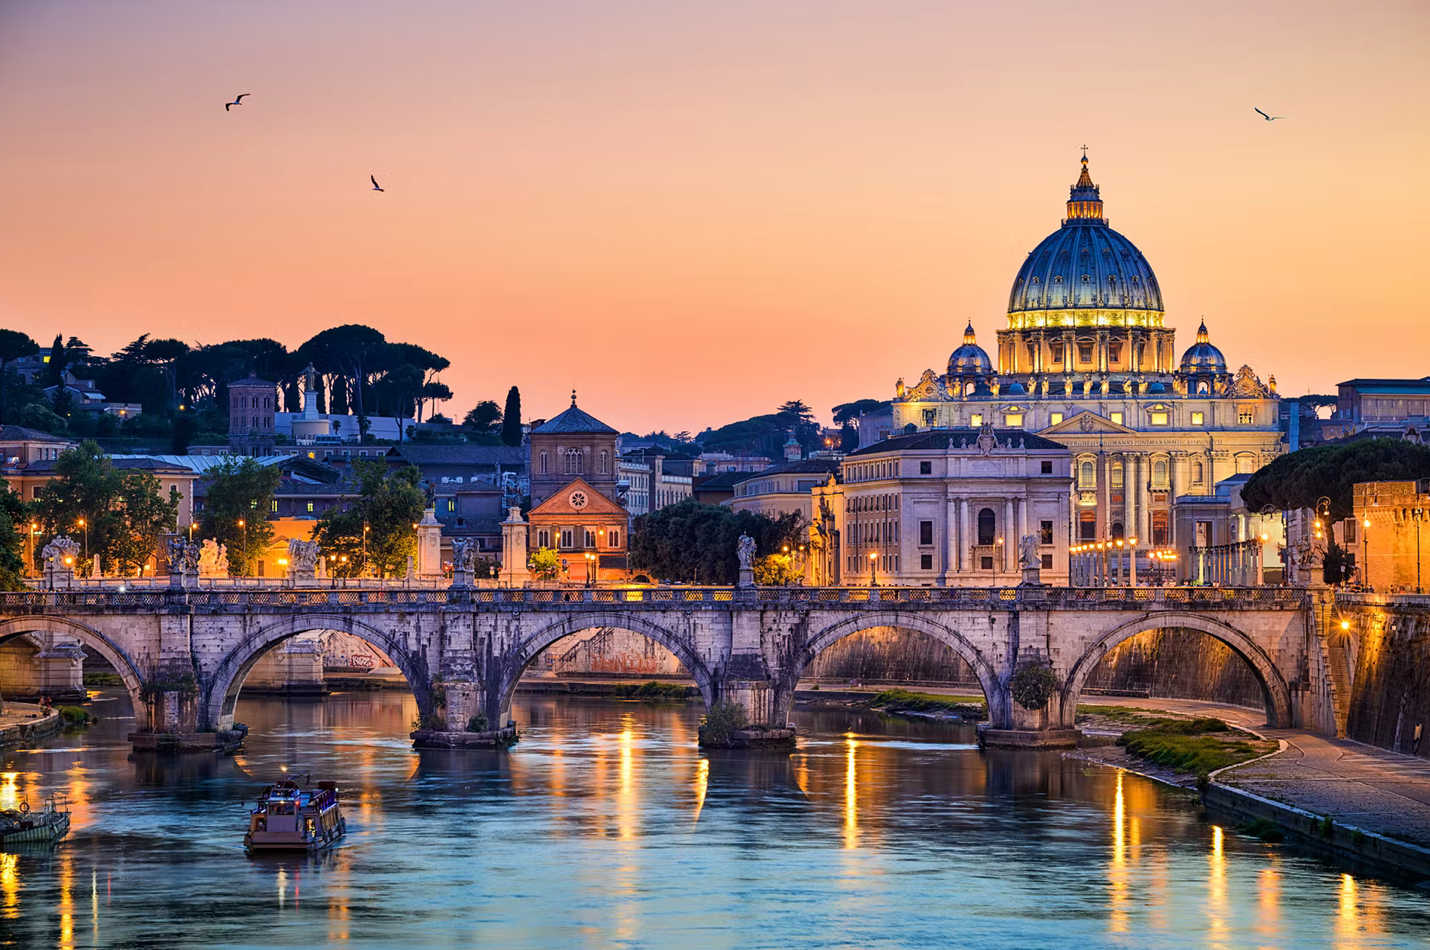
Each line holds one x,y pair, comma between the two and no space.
1116,417
310,507
1159,473
1013,420
1159,418
1116,475
1086,475
1045,533
1055,418
273,506
976,419
1245,416
1199,418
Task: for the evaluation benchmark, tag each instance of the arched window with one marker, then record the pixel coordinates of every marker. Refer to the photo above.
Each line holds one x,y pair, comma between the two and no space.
604,462
1118,532
1159,473
1198,473
573,461
1245,464
543,463
267,402
987,526
1116,475
1086,475
255,422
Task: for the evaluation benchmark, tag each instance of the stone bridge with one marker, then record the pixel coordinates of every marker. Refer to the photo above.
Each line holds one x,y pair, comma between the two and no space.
184,654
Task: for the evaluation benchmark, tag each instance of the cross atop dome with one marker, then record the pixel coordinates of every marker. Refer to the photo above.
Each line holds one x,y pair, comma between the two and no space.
1084,198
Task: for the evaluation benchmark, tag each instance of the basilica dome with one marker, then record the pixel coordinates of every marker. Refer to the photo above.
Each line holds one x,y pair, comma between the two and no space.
970,358
1201,356
1086,270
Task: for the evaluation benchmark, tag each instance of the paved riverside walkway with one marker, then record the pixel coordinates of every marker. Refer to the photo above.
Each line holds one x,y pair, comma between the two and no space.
1355,784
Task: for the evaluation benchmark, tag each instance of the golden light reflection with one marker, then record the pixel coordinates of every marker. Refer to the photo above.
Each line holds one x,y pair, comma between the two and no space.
10,884
1268,901
627,811
1117,874
851,795
10,790
702,782
1216,887
66,900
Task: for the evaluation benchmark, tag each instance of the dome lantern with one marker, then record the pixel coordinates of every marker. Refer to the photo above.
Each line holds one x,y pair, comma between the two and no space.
1084,199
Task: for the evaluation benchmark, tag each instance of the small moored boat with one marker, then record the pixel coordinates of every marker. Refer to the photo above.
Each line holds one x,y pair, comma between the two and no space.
290,817
23,826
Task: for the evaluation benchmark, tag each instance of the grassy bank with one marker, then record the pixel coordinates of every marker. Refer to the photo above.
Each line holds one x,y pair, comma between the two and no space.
1198,746
903,700
655,690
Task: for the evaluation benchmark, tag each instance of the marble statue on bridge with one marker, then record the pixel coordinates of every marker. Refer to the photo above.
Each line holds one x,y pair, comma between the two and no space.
213,559
302,560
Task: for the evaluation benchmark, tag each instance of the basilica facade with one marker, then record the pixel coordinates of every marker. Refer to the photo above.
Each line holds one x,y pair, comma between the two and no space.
1087,360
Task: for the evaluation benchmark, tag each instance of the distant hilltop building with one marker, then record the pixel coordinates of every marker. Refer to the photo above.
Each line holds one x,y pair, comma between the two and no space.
1086,360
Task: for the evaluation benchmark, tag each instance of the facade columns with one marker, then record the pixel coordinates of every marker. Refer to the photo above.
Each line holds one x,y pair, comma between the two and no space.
963,545
1009,544
952,560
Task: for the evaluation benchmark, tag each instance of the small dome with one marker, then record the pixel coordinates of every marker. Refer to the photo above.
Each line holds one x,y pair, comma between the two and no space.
1156,388
1016,389
1202,357
969,359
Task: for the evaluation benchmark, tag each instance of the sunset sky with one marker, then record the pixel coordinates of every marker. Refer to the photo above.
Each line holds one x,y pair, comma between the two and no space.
693,211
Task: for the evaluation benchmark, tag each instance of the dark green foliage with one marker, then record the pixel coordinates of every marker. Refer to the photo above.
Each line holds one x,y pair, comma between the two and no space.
77,715
14,526
184,684
429,723
56,365
654,690
849,411
1192,745
848,437
13,345
1327,827
1297,480
511,418
903,700
692,542
484,417
721,723
478,723
103,679
239,489
388,505
1263,828
1033,685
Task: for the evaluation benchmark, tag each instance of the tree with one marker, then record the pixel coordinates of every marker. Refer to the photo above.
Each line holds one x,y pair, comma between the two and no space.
14,519
1297,480
433,392
13,346
124,512
544,564
850,411
240,490
511,418
39,416
350,347
694,542
378,529
848,438
484,416
56,366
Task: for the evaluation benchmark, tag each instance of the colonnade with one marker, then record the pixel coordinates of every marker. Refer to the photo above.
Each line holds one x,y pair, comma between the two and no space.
1238,564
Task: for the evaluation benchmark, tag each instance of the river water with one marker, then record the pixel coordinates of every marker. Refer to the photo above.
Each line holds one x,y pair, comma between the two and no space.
606,827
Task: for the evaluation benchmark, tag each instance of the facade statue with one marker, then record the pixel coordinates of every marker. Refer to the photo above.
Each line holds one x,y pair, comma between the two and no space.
464,554
302,556
987,441
745,548
1028,557
57,550
176,555
191,558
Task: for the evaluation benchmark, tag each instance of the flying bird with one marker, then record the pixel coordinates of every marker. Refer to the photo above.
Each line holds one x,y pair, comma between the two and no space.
236,102
1271,118
375,185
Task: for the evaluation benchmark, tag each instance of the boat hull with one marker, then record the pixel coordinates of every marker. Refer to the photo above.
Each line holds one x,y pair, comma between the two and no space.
265,842
45,833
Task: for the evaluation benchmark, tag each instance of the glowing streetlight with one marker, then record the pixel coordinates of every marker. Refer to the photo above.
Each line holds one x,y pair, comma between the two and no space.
873,569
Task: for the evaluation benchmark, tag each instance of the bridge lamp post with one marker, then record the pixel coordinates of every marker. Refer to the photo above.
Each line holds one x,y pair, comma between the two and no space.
1132,561
84,552
1365,553
873,569
242,523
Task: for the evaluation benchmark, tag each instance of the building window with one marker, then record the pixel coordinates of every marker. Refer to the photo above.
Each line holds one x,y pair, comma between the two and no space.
1084,352
573,462
1055,418
590,538
986,563
310,507
925,562
1159,473
1046,467
976,419
1198,473
1045,532
1245,416
1086,526
987,526
1114,352
543,463
1116,475
613,537
925,468
603,461
543,538
451,505
273,506
566,538
1086,475
1159,528
1116,417
1159,418
925,532
1245,464
1013,420
930,416
1199,418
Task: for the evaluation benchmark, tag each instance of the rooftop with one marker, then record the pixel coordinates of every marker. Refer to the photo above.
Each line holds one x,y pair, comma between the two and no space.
940,439
574,420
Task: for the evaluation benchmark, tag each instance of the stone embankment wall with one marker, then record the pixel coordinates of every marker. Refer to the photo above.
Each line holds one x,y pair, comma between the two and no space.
890,656
609,652
1178,664
1390,696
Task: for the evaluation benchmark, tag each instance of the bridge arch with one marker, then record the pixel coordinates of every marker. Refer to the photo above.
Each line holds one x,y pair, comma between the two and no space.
128,670
1276,693
993,691
223,684
531,645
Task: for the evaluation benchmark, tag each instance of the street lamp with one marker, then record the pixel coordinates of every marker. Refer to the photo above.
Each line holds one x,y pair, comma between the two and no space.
34,530
873,569
84,552
1417,515
364,546
244,525
1365,554
590,565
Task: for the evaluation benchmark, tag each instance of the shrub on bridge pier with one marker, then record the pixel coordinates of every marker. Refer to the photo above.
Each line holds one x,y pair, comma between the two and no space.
724,719
1033,686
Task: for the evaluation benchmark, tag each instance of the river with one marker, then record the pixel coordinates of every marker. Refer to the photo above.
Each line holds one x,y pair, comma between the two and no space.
606,827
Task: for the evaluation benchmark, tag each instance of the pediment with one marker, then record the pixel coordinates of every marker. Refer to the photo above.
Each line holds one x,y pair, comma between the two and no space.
560,501
1085,423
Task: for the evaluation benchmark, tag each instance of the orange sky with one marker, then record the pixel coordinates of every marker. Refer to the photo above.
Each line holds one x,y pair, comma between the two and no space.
692,211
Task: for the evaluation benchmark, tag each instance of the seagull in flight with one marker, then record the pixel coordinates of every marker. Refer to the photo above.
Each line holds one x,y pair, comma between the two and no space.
236,102
375,185
1271,118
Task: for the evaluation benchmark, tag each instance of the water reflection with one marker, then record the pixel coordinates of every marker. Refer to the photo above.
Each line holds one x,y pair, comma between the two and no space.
606,826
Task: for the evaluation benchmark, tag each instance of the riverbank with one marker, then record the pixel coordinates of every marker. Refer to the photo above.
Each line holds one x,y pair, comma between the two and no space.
27,723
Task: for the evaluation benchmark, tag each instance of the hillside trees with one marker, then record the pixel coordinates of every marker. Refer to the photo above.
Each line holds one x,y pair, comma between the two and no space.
696,543
1297,480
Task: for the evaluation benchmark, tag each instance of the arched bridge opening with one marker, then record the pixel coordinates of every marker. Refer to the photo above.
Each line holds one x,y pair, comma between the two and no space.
225,681
1182,656
22,638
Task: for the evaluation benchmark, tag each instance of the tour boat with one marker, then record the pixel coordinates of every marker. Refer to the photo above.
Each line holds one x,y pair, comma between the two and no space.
293,818
22,826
